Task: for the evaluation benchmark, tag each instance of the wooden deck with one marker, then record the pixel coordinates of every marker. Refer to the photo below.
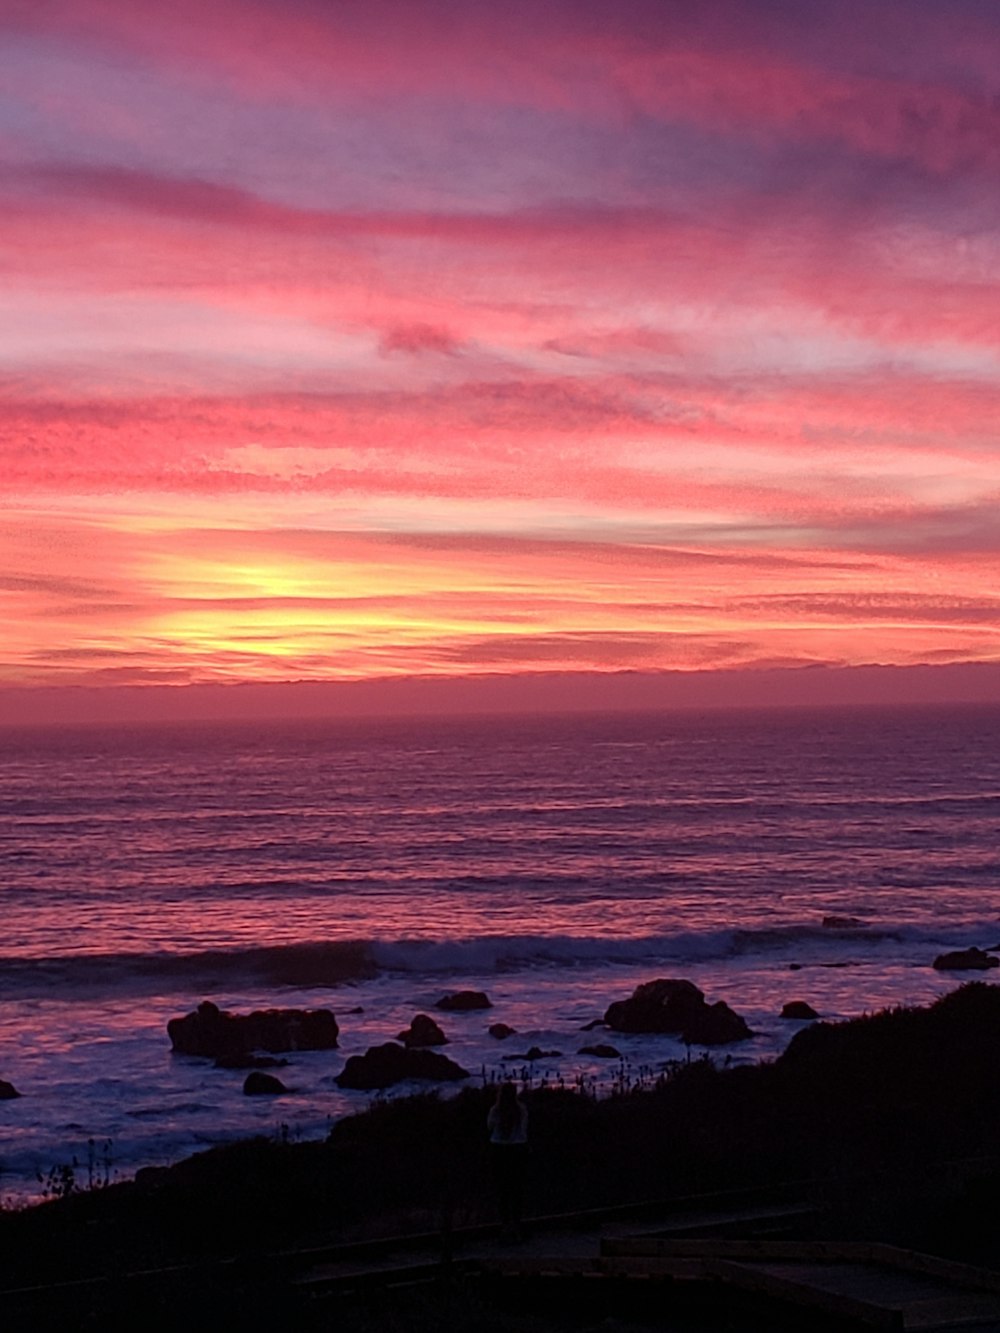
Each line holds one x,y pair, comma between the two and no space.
877,1286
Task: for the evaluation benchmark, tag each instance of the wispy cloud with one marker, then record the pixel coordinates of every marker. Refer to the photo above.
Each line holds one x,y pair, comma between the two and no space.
384,338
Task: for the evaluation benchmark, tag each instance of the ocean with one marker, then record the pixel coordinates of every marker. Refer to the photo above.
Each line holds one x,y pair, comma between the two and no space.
372,867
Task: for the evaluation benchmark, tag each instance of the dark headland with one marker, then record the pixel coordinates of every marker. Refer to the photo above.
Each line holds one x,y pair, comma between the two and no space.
891,1121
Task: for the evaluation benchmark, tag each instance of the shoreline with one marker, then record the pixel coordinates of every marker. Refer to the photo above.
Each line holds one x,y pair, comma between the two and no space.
169,1106
873,1107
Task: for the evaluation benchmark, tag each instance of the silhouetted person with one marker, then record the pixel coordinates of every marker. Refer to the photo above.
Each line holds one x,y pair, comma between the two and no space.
507,1123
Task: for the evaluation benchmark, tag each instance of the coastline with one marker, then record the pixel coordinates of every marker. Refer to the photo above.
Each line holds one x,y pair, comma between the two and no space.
874,1111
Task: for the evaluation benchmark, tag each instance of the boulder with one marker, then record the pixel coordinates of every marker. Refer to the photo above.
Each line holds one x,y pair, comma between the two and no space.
602,1050
656,1006
594,1023
257,1084
501,1031
965,960
423,1031
842,923
715,1025
464,1000
798,1009
7,1091
382,1066
679,1008
533,1053
214,1032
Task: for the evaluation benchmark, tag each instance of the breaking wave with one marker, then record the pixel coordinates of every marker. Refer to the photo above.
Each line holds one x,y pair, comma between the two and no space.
333,963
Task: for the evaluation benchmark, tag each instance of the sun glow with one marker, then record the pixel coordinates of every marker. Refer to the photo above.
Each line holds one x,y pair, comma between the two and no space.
623,364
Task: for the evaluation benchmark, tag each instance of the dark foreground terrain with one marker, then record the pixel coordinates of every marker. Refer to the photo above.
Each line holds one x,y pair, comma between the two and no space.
891,1122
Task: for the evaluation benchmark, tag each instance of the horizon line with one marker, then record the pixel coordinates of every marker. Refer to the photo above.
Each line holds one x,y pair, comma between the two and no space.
494,694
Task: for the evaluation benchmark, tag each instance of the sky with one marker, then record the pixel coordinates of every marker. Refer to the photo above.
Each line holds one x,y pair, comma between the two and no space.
392,338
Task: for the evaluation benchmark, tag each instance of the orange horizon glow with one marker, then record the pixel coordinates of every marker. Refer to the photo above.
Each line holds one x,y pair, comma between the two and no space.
361,342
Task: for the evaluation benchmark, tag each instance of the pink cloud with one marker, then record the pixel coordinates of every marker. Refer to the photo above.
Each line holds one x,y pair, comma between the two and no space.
417,338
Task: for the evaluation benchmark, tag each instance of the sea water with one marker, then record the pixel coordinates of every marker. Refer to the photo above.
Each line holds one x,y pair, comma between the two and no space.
373,867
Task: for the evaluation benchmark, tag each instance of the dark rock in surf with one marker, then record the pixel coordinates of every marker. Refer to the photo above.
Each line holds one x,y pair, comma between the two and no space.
602,1050
423,1031
842,923
594,1023
463,1001
798,1009
382,1066
7,1091
656,1006
212,1031
501,1031
716,1025
965,960
534,1053
257,1084
677,1007
250,1062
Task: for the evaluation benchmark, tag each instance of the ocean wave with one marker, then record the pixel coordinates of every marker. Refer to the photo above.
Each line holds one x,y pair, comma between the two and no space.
504,953
326,963
332,963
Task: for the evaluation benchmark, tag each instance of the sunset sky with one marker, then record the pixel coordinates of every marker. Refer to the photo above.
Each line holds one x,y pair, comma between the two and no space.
435,337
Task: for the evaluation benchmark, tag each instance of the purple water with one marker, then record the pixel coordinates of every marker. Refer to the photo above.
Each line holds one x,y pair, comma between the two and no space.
553,863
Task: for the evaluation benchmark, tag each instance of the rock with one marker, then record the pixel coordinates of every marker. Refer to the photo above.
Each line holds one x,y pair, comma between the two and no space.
842,923
464,1000
212,1031
7,1091
257,1084
603,1050
656,1006
965,960
250,1062
594,1023
501,1031
716,1025
423,1031
382,1066
534,1053
798,1009
679,1008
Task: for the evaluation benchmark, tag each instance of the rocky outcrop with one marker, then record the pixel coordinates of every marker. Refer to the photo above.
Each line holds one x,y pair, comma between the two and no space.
501,1031
7,1091
212,1031
423,1031
965,960
464,1000
533,1053
677,1007
382,1066
715,1025
257,1084
656,1006
798,1009
602,1050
